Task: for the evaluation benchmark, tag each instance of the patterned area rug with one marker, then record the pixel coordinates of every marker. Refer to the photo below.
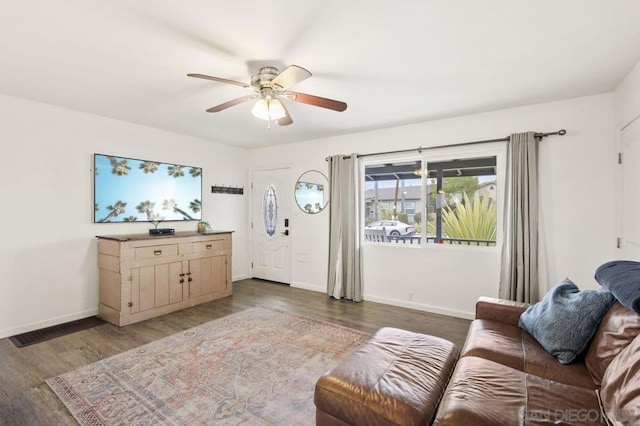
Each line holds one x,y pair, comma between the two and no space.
257,367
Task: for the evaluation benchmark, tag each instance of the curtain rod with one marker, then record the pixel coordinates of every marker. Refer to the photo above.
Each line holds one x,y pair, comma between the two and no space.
560,132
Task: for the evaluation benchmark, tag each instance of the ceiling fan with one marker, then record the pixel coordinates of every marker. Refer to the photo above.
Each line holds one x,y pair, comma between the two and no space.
270,86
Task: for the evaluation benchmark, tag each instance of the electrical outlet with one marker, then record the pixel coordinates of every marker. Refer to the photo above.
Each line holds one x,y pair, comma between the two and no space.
410,296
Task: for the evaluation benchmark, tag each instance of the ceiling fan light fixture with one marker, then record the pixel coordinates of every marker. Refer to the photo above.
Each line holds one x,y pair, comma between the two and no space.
261,109
268,109
276,109
270,87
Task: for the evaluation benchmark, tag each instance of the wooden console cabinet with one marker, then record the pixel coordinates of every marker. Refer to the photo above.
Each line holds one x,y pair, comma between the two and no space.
143,276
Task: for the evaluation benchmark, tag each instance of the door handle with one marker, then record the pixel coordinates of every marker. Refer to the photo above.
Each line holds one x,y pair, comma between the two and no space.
286,232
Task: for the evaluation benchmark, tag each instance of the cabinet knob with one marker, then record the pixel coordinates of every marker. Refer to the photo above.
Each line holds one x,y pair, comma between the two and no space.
208,246
157,252
182,275
181,280
190,279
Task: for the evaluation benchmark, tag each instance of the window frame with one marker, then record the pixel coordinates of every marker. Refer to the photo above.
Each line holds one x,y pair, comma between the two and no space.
497,149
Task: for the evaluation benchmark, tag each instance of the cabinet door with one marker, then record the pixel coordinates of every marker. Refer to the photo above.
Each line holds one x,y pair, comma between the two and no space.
155,286
208,275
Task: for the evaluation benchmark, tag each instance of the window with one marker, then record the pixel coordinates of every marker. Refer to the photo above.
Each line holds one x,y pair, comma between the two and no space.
461,201
426,201
410,207
392,191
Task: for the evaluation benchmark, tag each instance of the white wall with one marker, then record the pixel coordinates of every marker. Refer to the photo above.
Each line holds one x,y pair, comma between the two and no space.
576,206
627,96
48,250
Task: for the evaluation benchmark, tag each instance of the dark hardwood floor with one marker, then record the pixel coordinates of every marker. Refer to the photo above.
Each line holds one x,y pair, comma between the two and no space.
25,399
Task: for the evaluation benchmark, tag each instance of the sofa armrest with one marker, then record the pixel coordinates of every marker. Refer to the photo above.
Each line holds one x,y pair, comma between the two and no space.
506,311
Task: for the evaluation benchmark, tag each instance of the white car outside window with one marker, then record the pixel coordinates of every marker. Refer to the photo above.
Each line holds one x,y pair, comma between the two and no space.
392,227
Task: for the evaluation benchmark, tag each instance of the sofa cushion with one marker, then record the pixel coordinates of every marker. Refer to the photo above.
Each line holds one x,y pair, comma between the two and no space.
485,393
515,348
622,278
617,329
620,391
566,319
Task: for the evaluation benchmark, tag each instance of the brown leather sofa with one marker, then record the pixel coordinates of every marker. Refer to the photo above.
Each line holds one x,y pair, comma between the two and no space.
504,377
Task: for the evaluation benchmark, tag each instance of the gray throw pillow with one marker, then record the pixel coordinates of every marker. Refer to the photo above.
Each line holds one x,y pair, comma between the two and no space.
566,319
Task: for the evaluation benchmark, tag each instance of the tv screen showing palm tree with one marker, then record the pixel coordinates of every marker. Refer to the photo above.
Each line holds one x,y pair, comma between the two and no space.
131,190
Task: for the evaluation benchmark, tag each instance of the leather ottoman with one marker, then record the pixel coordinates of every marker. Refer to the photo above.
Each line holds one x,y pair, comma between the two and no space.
395,377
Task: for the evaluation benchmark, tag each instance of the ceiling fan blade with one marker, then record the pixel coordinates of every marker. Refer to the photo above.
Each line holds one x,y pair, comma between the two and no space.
231,103
290,76
286,120
221,80
316,101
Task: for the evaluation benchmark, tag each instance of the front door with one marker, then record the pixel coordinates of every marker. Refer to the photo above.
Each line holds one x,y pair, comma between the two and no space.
270,225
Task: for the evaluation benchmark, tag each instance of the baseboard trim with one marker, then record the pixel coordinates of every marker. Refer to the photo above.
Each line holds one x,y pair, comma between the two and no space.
311,287
421,307
47,323
395,302
240,277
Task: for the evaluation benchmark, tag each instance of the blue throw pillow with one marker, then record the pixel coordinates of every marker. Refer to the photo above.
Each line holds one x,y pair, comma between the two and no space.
566,319
622,278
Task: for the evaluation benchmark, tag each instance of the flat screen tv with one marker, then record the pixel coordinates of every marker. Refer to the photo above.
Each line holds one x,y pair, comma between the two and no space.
131,190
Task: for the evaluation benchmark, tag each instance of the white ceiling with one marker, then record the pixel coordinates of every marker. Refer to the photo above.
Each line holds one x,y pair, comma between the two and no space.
392,62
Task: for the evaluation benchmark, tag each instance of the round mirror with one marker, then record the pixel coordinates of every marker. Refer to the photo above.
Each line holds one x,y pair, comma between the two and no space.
312,192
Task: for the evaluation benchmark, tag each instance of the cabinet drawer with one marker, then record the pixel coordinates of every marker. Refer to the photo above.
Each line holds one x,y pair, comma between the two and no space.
156,251
207,246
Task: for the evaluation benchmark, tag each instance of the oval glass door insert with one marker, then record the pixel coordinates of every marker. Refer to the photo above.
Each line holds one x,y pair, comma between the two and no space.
270,210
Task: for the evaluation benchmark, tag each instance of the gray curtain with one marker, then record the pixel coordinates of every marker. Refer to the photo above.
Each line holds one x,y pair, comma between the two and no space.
345,257
519,273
